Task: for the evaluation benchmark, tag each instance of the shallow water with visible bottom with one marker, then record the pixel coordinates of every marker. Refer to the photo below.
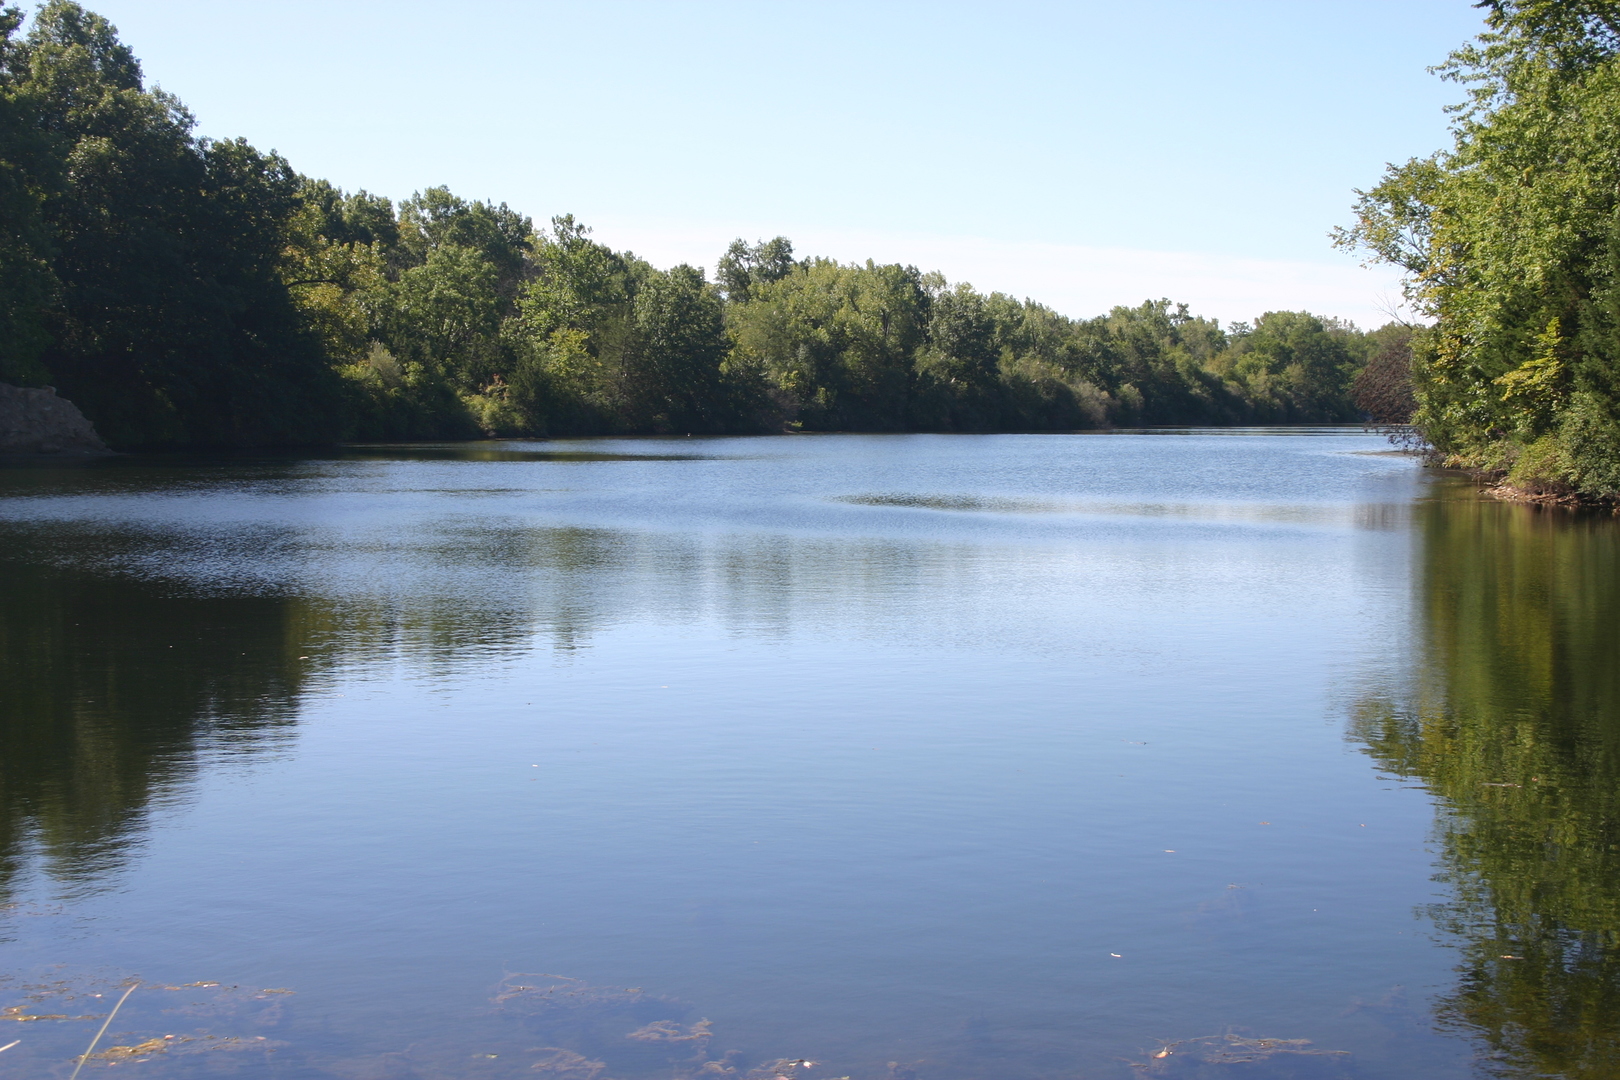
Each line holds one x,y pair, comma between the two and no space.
1184,754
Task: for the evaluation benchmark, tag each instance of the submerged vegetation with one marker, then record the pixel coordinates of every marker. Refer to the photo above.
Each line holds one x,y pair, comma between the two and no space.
1511,240
187,291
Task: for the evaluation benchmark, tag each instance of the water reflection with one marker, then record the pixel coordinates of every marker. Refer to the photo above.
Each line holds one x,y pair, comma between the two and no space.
130,657
1513,724
110,693
913,789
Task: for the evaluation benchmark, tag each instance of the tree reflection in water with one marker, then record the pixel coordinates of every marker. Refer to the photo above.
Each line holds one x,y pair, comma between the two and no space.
110,693
115,687
1513,722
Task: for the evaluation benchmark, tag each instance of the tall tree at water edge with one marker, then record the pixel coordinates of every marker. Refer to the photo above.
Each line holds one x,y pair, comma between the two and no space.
149,287
27,285
1511,240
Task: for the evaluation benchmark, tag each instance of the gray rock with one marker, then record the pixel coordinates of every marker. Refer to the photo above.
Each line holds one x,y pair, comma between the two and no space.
39,422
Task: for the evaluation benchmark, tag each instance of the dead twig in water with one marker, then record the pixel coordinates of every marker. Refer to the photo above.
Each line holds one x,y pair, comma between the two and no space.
86,1055
10,1044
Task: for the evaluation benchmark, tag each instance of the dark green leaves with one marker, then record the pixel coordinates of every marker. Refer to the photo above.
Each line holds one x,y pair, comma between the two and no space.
187,291
1510,243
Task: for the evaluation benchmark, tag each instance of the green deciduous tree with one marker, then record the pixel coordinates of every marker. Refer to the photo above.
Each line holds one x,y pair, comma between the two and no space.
1296,368
836,342
172,322
1511,239
28,286
186,291
743,266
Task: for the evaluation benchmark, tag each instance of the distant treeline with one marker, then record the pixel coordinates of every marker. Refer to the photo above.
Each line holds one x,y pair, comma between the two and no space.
186,291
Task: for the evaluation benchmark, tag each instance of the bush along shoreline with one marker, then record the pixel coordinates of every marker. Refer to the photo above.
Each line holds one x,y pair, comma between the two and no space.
189,292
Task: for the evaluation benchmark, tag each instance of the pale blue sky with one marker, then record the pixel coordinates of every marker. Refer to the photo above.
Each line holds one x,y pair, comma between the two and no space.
1084,154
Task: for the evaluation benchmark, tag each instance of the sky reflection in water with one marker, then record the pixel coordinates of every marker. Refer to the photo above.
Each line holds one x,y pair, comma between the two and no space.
863,749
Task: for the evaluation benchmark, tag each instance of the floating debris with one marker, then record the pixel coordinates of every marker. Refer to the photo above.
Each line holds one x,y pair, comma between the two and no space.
15,1012
148,1022
565,1064
91,1049
1230,1049
145,1049
780,1069
550,1026
670,1031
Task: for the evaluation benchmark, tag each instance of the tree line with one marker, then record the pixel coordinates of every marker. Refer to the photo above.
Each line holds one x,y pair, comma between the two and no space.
190,291
1511,242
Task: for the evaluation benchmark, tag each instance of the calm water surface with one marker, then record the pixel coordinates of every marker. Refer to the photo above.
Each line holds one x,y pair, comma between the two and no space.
921,757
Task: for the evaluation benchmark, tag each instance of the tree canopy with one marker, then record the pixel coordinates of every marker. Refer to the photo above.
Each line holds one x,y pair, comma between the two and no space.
187,291
1511,240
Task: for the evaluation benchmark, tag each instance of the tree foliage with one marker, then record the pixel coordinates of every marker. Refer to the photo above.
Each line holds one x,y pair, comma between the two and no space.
186,291
1511,239
167,320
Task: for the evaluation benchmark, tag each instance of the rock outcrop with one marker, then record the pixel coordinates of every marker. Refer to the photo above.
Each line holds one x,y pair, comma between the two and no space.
39,422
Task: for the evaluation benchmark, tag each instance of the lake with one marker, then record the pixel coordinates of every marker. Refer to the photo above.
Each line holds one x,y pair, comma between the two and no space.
1254,753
